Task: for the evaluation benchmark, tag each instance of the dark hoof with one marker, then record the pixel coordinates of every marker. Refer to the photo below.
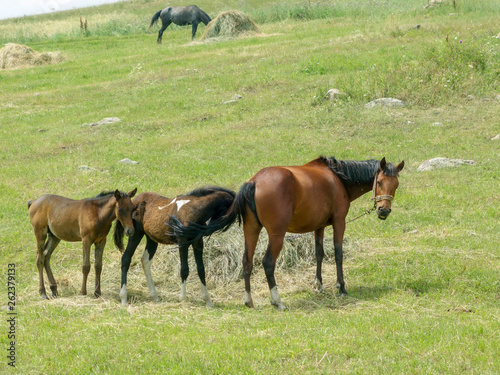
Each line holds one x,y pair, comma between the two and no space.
44,296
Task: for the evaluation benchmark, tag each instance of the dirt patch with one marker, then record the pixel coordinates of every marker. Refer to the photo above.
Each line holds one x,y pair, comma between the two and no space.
229,25
14,56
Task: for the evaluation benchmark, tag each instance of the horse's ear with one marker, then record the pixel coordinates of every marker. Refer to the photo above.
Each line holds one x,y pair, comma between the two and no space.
118,194
382,163
400,166
132,193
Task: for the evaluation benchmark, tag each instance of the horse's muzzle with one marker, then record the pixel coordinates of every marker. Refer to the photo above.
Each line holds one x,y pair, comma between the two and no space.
382,213
129,232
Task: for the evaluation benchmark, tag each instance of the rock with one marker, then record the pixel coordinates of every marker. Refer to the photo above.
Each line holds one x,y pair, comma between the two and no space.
128,161
104,121
387,102
230,101
439,163
496,137
333,94
86,168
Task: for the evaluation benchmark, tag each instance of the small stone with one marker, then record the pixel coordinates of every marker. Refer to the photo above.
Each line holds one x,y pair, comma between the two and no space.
333,93
385,102
496,137
128,161
86,168
439,163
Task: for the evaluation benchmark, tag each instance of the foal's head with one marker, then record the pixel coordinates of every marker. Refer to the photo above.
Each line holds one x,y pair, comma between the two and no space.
124,209
384,187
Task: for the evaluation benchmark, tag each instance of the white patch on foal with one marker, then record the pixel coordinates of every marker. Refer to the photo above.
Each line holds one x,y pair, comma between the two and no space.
162,207
181,203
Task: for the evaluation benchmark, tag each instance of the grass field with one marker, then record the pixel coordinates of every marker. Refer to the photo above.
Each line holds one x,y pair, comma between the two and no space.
424,288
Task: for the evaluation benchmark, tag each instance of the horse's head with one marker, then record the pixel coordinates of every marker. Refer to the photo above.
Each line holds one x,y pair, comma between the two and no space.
124,210
384,187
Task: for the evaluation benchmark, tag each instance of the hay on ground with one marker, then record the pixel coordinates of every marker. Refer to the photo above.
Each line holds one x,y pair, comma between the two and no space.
229,25
18,56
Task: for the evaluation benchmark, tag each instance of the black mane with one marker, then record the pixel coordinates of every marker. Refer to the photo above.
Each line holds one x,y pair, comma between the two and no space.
104,193
357,172
207,190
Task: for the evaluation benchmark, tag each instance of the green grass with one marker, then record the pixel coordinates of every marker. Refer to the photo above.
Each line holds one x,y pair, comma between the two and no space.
424,285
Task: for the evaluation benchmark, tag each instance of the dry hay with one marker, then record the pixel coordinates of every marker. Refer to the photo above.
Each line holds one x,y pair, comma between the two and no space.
18,56
229,25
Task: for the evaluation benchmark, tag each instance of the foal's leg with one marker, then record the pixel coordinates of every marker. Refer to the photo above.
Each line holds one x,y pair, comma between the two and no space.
99,250
183,254
269,262
164,25
338,237
198,256
146,260
193,29
41,237
132,244
251,231
86,245
320,254
51,244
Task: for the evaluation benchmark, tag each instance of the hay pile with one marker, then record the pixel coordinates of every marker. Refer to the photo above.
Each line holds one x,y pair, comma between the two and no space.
18,56
229,25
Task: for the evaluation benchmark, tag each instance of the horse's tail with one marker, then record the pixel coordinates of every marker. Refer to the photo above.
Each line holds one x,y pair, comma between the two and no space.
118,235
236,211
29,204
155,18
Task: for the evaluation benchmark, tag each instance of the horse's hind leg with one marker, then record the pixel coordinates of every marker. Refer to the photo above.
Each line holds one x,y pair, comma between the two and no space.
269,263
146,260
164,25
51,244
320,254
251,230
99,250
198,256
183,253
40,260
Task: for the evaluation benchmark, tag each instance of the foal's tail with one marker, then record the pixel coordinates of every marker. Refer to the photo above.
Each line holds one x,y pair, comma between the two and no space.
237,211
118,235
155,18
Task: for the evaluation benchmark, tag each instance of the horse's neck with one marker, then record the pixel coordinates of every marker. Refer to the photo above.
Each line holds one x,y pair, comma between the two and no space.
357,190
107,210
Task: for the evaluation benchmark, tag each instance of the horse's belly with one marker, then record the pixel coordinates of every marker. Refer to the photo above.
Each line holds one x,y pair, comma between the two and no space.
65,234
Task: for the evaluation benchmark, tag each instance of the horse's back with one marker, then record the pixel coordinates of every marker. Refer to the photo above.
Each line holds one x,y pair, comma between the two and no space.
59,215
298,198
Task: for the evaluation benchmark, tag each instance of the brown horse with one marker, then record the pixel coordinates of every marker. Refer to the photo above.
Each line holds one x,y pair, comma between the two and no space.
301,199
55,218
157,217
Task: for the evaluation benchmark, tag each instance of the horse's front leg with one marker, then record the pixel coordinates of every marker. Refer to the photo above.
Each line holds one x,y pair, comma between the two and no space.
99,251
193,29
86,245
338,238
146,260
320,254
132,244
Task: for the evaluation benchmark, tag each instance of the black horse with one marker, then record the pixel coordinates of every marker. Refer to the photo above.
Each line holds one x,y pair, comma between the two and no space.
182,16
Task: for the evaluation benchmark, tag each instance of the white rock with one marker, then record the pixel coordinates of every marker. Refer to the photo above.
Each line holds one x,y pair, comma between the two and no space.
387,102
439,163
128,161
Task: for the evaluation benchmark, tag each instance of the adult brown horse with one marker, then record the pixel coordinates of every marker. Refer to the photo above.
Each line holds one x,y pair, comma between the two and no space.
301,199
156,218
55,218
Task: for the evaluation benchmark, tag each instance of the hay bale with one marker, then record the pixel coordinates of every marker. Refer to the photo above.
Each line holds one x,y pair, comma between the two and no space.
229,25
18,56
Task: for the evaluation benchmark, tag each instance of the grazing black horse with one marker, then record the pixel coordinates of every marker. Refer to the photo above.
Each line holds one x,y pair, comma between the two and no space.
182,16
157,218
